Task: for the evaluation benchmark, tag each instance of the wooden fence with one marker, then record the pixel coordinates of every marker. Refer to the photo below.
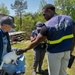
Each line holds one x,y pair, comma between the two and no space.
16,36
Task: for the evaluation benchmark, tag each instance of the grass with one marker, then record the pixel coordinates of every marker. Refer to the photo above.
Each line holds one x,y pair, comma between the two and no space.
29,60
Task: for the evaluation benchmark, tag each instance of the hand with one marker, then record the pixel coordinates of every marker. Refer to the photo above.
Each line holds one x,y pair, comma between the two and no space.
32,39
20,51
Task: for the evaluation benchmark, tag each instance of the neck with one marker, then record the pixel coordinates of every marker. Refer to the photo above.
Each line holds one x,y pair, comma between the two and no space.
55,14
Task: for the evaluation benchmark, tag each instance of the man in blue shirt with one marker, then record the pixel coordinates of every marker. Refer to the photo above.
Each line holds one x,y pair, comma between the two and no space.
60,32
39,50
6,23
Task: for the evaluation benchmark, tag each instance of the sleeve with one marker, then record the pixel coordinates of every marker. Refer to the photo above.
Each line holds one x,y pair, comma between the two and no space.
74,31
44,31
33,34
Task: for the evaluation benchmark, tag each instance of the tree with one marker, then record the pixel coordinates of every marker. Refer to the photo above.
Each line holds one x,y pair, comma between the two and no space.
66,7
3,9
42,3
19,6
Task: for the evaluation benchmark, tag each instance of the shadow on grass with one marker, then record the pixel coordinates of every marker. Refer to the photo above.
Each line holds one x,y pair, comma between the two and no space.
45,72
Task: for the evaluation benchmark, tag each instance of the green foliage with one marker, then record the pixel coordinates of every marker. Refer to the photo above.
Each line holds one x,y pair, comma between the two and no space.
39,17
19,6
66,7
28,22
3,9
17,28
27,25
42,3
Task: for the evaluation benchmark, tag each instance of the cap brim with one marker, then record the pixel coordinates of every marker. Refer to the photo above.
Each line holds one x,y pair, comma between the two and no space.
13,25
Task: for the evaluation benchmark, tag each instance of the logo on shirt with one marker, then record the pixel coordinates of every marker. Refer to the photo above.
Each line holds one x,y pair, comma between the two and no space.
62,25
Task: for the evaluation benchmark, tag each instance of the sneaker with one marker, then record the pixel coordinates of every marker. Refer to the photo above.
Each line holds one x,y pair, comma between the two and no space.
41,71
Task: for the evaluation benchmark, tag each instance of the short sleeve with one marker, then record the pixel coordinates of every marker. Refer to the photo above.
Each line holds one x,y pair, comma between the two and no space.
44,31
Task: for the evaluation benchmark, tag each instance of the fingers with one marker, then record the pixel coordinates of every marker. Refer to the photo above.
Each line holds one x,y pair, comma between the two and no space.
20,51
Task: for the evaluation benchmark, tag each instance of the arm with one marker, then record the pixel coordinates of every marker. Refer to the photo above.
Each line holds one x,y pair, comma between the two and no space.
40,37
32,38
74,35
33,35
74,40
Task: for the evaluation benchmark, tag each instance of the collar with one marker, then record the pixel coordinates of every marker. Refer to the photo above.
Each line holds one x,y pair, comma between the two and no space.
55,14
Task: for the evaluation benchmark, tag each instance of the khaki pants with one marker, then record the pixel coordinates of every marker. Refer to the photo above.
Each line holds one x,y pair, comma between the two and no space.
58,62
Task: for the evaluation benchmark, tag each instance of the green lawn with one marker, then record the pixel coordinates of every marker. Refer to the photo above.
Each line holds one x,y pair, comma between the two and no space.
29,60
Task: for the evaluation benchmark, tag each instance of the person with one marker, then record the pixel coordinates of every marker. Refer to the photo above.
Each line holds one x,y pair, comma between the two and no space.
60,33
39,50
6,23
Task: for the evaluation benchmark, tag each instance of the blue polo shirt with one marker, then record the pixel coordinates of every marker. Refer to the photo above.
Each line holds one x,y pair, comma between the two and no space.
42,45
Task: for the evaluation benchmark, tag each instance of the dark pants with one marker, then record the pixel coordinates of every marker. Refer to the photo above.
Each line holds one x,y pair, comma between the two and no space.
38,59
2,72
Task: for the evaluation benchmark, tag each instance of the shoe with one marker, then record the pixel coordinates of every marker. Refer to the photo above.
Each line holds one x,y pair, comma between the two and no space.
41,71
34,73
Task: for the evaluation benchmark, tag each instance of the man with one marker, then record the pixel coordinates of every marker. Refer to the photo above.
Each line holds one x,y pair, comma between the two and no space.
39,50
6,23
59,30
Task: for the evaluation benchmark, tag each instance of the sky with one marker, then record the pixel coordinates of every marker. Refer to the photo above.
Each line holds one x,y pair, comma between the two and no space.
33,5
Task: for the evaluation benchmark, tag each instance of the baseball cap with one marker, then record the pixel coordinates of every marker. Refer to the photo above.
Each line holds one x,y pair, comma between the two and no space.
39,25
7,20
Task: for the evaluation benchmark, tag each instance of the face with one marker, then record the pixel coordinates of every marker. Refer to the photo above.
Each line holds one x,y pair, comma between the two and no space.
39,30
7,27
48,14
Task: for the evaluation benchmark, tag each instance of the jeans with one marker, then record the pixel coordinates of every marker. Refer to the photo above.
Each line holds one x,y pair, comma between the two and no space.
12,68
